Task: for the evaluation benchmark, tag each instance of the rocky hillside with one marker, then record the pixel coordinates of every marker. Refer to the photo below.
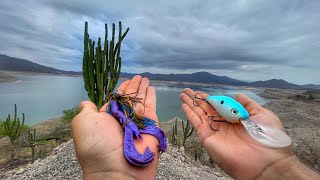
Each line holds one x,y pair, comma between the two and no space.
63,164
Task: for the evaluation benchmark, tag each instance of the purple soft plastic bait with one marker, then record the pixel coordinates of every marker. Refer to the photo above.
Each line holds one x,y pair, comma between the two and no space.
131,131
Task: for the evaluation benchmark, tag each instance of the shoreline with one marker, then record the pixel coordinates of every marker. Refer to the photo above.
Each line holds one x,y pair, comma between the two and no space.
12,76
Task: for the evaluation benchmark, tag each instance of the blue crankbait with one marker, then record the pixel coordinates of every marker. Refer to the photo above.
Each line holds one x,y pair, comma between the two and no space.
233,112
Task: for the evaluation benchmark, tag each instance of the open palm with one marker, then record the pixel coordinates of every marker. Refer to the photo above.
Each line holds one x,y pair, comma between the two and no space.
98,136
231,147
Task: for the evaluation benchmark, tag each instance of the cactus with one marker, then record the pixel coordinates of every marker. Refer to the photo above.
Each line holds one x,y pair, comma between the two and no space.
13,127
101,66
32,142
186,132
174,137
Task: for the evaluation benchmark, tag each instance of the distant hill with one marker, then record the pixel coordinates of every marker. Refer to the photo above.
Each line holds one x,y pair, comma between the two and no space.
200,77
14,64
278,83
205,77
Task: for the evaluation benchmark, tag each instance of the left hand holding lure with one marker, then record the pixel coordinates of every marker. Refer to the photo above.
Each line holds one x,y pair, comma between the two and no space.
233,112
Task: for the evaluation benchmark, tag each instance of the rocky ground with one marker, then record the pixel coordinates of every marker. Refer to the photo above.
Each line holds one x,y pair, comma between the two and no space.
63,164
298,110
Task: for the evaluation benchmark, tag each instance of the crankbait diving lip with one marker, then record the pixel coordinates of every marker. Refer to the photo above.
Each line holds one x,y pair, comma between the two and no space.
266,135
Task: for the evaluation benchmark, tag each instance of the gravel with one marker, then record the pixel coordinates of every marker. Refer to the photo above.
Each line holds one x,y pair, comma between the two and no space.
63,164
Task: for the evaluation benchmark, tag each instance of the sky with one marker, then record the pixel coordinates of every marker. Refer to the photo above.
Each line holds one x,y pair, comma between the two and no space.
244,39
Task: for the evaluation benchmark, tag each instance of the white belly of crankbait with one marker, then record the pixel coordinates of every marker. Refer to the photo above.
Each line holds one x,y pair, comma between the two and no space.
234,112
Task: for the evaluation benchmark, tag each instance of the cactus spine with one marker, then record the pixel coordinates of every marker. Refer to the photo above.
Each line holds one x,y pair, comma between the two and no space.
101,66
186,131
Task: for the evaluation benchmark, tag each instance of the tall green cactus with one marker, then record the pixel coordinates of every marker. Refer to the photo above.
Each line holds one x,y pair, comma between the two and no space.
13,127
186,131
101,66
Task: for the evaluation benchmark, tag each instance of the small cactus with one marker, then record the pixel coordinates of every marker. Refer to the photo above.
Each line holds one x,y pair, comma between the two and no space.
32,141
174,137
13,128
186,131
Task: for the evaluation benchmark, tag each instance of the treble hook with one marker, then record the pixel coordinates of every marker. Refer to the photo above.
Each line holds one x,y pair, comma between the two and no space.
215,121
196,97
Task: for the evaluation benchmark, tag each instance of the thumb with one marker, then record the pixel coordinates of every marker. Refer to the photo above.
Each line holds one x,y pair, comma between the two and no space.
88,106
247,103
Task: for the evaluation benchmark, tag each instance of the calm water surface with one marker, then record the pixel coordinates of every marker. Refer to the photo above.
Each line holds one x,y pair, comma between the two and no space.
41,97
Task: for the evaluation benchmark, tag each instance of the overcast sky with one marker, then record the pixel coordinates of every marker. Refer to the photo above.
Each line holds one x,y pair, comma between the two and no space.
242,39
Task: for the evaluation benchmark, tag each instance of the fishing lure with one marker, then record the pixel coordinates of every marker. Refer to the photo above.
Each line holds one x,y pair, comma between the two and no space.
122,107
233,112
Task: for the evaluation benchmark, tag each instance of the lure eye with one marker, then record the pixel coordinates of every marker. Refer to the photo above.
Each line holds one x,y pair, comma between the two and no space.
221,102
234,111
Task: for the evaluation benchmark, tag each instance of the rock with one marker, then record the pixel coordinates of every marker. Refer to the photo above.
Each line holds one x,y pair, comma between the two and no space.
20,171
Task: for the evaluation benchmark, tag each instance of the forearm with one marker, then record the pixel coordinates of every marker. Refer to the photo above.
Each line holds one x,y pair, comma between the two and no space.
289,168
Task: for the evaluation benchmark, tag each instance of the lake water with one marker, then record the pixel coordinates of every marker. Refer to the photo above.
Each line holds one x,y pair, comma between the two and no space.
41,97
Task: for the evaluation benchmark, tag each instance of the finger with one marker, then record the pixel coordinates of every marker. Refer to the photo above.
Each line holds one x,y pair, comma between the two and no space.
207,108
86,106
134,84
151,99
123,86
192,116
143,89
187,100
249,104
104,108
120,90
200,124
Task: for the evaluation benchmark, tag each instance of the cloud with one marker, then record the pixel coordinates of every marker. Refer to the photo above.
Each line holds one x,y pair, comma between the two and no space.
248,40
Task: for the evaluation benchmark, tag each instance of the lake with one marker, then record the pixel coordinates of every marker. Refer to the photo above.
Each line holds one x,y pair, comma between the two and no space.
42,97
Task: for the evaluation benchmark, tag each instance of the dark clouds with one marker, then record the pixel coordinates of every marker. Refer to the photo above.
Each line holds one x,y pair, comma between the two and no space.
248,40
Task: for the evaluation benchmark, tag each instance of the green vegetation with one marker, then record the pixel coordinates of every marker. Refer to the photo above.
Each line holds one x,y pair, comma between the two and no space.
69,114
13,127
174,137
2,132
186,132
32,142
101,65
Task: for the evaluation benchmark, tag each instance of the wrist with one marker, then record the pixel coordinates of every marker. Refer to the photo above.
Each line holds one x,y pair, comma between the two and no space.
288,168
107,175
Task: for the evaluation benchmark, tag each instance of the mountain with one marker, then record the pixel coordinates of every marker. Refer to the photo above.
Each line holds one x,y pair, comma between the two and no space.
14,64
205,77
311,86
276,83
199,77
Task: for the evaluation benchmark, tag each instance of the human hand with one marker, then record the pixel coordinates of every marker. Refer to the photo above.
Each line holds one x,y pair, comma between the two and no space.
231,147
98,137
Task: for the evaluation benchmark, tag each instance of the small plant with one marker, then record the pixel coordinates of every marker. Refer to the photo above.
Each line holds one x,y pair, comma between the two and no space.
174,137
13,128
32,142
186,131
101,66
69,114
2,131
